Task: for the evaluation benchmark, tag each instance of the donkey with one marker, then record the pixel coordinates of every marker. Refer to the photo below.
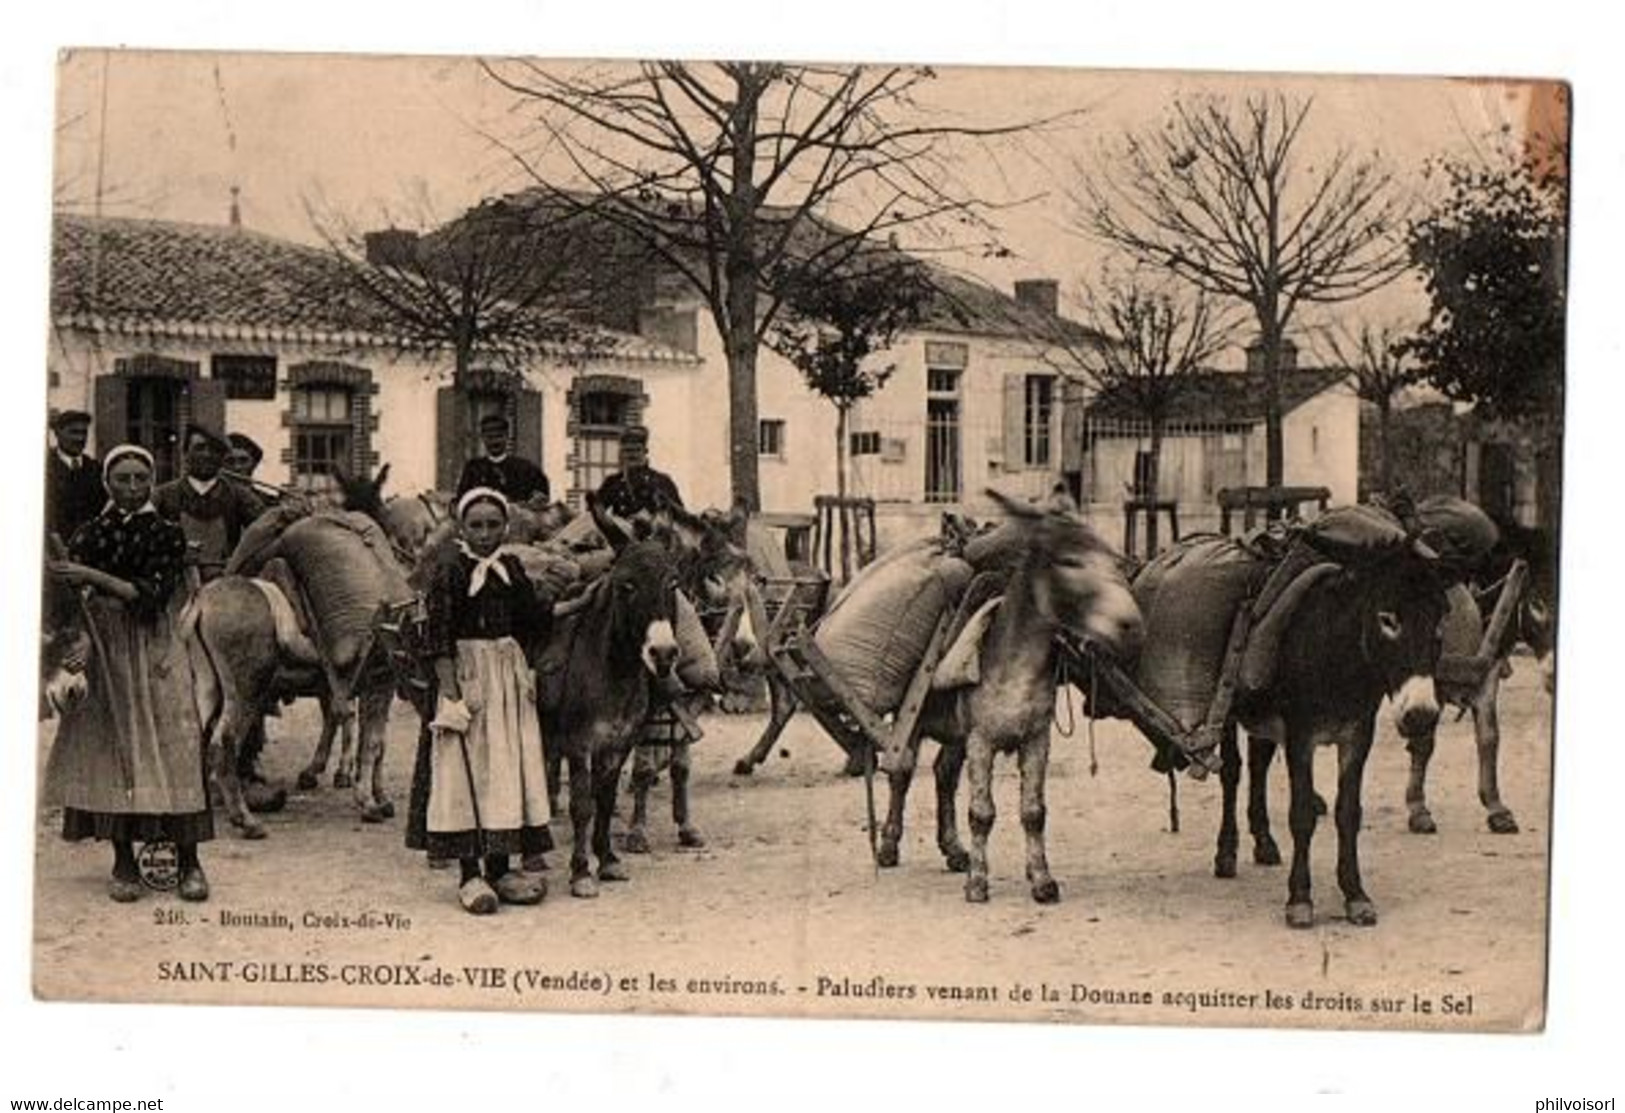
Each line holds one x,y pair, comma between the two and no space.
1533,625
1066,580
603,653
1363,632
247,652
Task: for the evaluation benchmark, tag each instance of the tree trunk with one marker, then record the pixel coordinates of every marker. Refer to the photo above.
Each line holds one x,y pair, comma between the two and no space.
740,271
1153,481
842,415
742,430
1385,453
1274,441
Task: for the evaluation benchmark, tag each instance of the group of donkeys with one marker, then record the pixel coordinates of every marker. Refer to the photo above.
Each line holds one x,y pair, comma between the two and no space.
1366,627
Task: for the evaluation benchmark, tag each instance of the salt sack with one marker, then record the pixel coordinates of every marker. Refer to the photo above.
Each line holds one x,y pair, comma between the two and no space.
875,634
346,569
696,660
1189,595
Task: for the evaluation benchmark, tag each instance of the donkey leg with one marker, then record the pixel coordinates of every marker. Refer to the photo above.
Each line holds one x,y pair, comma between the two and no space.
782,707
344,775
310,776
636,840
1300,764
979,762
898,780
688,835
1033,761
1260,753
1224,859
230,729
582,809
1487,733
606,787
949,764
372,720
1420,747
1351,754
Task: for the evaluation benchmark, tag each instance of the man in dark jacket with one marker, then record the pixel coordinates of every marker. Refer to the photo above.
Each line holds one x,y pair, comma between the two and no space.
73,477
638,491
520,480
211,509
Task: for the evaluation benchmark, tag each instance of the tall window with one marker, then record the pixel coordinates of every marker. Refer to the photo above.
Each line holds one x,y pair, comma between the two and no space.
1038,411
323,435
942,435
600,417
770,438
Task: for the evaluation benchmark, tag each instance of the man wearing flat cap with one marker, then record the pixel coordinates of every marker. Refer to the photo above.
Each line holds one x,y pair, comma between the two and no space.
638,490
520,480
212,511
73,477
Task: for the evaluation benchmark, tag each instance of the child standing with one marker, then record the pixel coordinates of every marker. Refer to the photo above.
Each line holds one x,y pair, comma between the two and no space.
488,795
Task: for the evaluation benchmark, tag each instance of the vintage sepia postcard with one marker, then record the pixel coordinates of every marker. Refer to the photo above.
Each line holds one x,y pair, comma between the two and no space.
516,530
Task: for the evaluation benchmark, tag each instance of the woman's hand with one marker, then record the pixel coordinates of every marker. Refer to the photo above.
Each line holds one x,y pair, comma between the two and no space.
82,575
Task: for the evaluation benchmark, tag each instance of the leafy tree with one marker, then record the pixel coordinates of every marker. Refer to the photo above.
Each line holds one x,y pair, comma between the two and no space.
832,328
1493,252
1378,358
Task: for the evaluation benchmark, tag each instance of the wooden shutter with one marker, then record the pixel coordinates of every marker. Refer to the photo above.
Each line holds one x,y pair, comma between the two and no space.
1015,421
112,422
451,449
527,420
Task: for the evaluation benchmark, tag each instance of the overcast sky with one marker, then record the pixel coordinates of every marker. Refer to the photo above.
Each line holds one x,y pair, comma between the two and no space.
361,135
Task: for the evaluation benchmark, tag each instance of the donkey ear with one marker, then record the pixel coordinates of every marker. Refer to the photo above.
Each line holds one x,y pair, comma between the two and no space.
380,479
615,531
1014,507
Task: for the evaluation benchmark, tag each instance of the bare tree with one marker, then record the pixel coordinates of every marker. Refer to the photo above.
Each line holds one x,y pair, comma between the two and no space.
1381,363
731,174
1157,337
1220,196
502,282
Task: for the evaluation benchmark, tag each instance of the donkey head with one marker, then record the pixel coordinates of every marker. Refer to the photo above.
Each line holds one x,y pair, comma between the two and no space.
1076,579
642,585
1401,607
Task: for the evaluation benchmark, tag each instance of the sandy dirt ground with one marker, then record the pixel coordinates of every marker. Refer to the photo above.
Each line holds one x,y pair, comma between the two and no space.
784,913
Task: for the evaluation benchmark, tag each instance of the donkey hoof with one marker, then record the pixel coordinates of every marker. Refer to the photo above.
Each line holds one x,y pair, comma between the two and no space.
976,890
886,856
1421,823
1265,852
343,780
958,860
1502,823
251,830
613,871
375,813
1300,914
690,838
583,886
386,808
635,841
262,799
1224,865
1361,913
307,781
1047,891
743,768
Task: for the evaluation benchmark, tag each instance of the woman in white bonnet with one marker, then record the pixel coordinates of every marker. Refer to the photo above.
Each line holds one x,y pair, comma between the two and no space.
488,796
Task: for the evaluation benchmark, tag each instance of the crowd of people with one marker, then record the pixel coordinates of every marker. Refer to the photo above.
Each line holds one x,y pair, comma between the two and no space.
127,764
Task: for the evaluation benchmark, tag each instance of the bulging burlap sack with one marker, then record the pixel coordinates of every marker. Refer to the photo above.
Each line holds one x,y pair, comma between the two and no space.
696,661
345,567
1189,596
875,634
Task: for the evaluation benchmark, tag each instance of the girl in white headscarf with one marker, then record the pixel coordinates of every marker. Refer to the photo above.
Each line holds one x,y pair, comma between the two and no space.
127,762
488,796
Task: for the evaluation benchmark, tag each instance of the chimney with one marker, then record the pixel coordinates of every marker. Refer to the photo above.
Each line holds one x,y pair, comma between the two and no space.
235,219
392,247
1042,294
1255,356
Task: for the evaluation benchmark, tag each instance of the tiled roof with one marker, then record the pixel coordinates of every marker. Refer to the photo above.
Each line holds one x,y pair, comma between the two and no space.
169,279
1226,397
960,304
